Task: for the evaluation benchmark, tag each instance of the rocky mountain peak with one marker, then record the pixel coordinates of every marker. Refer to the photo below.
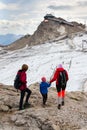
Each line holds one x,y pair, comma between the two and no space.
52,28
49,29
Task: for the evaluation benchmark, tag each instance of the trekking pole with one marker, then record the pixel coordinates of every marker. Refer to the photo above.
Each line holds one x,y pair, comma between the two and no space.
70,64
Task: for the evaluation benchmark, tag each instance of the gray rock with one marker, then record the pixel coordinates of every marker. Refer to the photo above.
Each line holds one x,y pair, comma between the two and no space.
72,116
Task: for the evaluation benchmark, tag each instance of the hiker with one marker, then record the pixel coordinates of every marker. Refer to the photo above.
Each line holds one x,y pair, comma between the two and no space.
23,88
44,89
61,78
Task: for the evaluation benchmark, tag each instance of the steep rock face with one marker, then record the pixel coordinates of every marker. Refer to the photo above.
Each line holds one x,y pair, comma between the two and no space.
45,32
48,30
72,116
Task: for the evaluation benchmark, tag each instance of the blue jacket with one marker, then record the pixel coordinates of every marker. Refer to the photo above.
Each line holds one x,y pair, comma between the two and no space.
44,87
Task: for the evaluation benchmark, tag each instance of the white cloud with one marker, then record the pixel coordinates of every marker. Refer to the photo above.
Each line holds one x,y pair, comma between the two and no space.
18,27
25,16
2,6
11,6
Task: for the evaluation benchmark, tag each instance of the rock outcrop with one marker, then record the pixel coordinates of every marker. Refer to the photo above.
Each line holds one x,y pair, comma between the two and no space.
72,116
51,30
47,31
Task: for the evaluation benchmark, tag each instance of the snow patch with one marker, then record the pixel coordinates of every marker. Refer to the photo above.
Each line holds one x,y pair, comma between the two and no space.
42,61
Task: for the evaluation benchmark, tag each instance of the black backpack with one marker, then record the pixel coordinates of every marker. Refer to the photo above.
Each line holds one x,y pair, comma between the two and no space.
62,78
17,82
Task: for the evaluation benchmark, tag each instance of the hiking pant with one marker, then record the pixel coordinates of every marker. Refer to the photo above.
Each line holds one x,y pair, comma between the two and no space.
61,89
22,97
44,98
60,93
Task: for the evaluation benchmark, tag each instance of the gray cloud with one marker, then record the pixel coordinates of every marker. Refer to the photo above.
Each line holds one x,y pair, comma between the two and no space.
61,7
4,27
83,17
82,3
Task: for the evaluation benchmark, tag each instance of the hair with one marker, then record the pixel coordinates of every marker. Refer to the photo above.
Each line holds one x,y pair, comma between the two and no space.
24,67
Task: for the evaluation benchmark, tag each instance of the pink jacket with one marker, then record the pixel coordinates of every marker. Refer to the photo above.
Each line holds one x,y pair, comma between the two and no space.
23,79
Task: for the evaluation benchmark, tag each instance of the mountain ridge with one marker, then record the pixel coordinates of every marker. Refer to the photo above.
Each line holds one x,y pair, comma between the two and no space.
7,39
48,30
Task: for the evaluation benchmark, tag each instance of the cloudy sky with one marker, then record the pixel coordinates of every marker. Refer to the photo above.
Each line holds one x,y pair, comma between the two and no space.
24,16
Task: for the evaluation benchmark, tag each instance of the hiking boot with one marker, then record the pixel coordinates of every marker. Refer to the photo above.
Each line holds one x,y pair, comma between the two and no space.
26,104
21,108
59,106
43,106
62,103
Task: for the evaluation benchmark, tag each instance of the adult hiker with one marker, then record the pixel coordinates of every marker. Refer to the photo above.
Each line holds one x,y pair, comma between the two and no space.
44,85
61,78
23,88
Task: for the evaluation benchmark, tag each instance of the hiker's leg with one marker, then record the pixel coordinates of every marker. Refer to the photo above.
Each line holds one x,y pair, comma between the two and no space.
63,94
21,99
42,97
45,98
28,94
59,95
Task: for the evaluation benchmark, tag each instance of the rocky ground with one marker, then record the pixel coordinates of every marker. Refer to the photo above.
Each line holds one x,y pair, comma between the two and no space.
72,116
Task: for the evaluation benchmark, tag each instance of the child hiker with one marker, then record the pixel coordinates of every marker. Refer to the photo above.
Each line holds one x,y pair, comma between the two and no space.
44,89
61,78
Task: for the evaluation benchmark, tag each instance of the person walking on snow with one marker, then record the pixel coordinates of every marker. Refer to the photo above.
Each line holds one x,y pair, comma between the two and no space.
61,78
44,89
23,88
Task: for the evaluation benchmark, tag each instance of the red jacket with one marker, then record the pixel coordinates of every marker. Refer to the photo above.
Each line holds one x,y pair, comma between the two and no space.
23,79
56,75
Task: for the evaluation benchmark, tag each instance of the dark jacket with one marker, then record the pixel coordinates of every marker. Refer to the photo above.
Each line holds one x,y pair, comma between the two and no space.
44,87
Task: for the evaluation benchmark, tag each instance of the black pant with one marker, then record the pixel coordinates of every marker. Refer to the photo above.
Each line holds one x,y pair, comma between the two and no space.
22,97
59,88
44,98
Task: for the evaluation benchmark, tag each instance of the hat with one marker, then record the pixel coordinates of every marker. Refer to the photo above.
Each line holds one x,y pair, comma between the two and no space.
43,79
60,66
25,67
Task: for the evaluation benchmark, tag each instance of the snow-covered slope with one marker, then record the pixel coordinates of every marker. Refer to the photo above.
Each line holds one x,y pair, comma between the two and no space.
43,59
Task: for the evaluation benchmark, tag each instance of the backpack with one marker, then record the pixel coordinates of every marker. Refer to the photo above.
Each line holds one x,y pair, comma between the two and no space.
17,82
62,78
